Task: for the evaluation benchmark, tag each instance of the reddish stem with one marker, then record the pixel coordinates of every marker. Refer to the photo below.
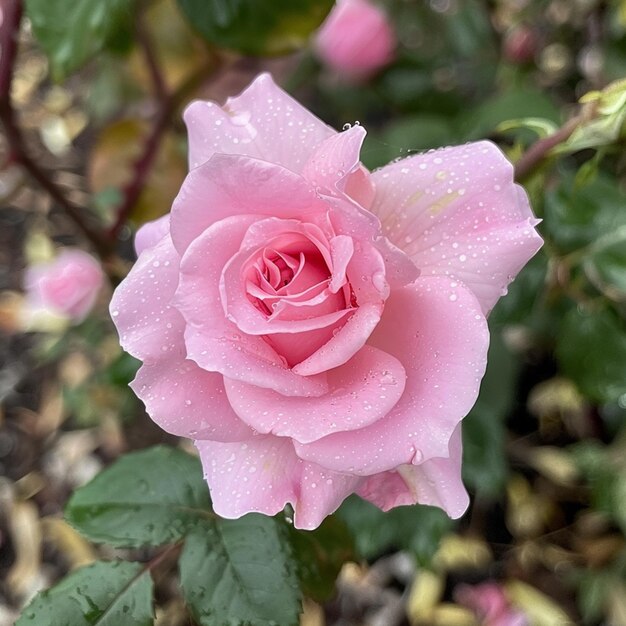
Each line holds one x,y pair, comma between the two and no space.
145,162
534,156
9,31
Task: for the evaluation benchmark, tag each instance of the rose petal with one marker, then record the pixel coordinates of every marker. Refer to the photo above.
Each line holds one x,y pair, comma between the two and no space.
360,188
229,185
436,330
359,394
264,474
458,213
335,159
436,482
343,344
212,341
150,328
151,233
251,321
263,122
187,401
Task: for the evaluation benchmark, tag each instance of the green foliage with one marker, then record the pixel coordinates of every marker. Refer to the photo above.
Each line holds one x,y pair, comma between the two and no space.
320,554
484,459
576,217
605,469
258,27
240,573
113,593
591,349
73,31
151,497
417,529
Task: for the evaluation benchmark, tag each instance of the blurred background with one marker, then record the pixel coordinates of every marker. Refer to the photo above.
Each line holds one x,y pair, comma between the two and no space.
93,143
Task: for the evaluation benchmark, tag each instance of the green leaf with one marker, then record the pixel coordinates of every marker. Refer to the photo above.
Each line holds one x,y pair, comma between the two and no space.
513,104
73,31
151,497
576,217
260,27
115,593
417,529
484,459
320,554
591,350
240,573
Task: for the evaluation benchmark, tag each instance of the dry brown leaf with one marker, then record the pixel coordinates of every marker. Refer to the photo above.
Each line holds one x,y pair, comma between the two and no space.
75,550
25,532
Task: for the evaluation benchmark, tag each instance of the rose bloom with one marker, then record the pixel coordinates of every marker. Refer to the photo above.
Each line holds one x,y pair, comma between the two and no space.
67,286
317,329
356,39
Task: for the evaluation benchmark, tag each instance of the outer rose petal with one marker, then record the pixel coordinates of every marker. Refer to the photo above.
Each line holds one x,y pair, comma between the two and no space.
151,233
264,474
263,122
358,395
436,482
214,342
230,185
187,401
335,159
150,328
456,212
436,330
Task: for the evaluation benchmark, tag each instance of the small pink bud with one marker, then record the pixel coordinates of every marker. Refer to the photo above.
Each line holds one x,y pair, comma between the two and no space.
520,45
67,286
356,39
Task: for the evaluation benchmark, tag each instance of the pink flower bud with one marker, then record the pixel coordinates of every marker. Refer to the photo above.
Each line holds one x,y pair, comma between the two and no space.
490,605
520,45
67,286
356,39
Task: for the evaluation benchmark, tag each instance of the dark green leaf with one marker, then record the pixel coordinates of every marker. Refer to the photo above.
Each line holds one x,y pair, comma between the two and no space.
150,497
320,554
513,104
576,217
414,528
591,349
73,31
484,459
264,27
240,573
113,593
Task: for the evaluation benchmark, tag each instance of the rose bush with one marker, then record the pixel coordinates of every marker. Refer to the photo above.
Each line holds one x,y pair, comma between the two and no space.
67,286
317,329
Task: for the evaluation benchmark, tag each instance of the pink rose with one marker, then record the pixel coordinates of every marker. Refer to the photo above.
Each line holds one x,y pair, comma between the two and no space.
67,286
318,329
490,605
356,39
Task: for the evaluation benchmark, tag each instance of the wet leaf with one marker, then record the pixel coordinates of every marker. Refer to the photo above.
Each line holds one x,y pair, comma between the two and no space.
240,573
151,497
112,593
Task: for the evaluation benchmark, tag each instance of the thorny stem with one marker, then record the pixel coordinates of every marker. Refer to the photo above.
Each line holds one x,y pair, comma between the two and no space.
9,31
